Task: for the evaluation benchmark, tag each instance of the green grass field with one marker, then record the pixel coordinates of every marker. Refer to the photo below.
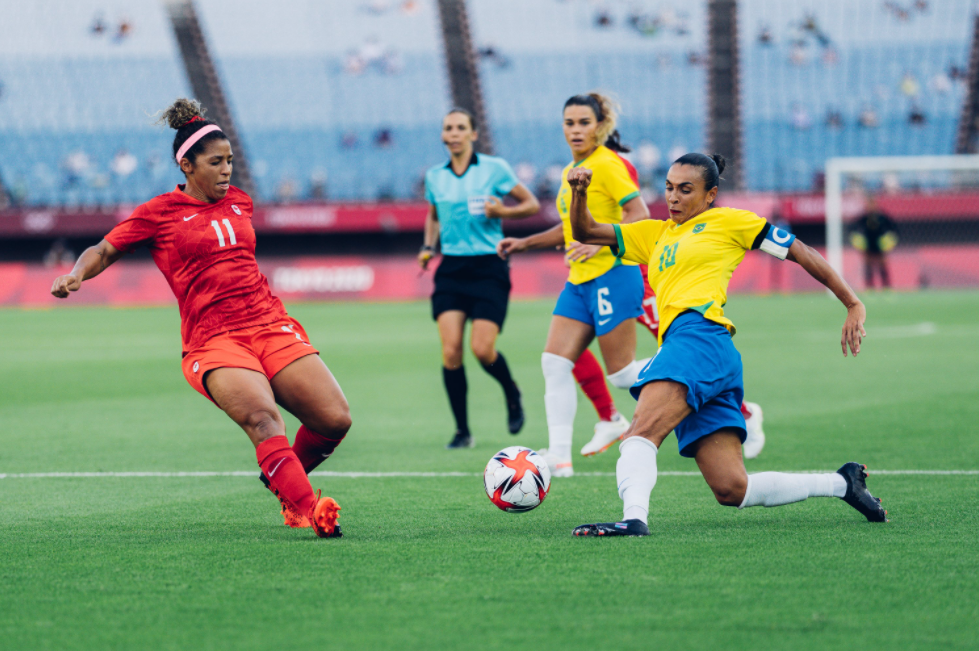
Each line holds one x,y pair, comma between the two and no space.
428,562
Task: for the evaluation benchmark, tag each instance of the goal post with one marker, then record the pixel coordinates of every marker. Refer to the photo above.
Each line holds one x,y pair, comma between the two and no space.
937,197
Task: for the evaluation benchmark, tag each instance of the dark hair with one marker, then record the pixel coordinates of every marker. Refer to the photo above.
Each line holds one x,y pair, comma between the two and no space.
606,111
712,167
468,114
187,117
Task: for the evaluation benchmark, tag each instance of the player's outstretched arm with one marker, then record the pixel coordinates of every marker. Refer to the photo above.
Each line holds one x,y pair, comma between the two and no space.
817,267
93,261
550,239
584,228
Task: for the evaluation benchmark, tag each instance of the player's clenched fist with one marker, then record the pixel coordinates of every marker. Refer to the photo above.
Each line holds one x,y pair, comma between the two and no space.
64,284
579,179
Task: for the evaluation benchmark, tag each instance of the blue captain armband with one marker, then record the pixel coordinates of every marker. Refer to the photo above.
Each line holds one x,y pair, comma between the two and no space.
774,241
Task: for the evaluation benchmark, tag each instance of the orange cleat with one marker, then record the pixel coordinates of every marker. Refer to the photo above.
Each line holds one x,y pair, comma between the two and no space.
323,517
292,517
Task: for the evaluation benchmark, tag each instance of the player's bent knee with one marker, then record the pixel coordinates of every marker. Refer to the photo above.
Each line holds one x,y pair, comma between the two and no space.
730,492
263,424
452,356
485,353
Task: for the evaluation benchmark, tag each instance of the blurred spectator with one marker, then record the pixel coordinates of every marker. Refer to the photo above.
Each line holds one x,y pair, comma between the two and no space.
677,150
874,233
868,117
373,54
941,83
123,164
810,25
695,58
955,73
493,55
909,85
526,173
765,36
287,190
59,254
383,138
124,31
77,167
921,5
917,116
98,25
834,119
317,184
409,7
830,57
348,140
800,117
603,19
797,54
649,157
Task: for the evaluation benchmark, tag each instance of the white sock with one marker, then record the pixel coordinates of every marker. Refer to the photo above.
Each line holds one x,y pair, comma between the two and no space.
560,403
778,488
635,473
626,377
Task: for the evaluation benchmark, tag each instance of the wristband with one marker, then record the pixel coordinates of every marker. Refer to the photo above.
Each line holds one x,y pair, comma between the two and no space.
427,249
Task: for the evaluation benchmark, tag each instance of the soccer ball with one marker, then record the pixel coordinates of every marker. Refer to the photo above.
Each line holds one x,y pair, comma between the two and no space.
517,479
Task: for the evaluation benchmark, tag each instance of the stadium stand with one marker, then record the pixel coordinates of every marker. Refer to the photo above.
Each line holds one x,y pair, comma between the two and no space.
334,100
648,54
838,78
78,87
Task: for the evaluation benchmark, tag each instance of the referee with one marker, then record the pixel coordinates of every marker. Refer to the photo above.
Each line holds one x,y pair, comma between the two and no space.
472,282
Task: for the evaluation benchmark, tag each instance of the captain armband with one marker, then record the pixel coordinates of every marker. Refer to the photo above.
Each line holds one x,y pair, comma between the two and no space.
774,241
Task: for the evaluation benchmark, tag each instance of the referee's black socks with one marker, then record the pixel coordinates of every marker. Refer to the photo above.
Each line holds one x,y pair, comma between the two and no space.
501,373
457,388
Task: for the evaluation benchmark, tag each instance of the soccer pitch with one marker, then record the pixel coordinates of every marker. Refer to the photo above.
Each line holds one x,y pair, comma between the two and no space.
426,562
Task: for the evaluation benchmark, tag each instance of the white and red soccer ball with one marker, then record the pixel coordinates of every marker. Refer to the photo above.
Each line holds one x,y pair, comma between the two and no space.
517,479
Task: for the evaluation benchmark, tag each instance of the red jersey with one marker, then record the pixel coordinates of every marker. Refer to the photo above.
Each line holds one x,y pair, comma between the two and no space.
206,251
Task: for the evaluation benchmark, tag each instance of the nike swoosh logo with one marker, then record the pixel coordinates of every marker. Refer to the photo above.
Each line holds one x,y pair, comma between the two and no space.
605,321
187,219
272,473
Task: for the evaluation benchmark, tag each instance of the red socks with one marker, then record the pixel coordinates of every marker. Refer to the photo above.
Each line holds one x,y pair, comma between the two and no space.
745,411
312,448
285,473
589,374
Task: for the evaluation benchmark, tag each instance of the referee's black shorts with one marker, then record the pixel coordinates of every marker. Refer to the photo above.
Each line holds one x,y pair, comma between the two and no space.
478,285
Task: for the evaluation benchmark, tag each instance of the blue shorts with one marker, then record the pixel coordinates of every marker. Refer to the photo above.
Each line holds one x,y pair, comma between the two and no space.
604,302
700,354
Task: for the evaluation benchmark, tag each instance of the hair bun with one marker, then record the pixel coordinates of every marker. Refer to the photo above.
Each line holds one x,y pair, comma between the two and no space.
182,112
719,161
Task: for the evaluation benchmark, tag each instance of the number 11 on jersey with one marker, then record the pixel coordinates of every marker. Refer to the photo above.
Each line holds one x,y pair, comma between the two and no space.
231,232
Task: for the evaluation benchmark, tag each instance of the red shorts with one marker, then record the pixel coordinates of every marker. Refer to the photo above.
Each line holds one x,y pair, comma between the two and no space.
265,348
650,315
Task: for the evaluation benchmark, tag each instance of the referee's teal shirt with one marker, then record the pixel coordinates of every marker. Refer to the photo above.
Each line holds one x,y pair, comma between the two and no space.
464,227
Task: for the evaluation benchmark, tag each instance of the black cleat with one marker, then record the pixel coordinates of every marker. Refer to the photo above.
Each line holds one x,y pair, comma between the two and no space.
461,440
514,413
624,528
857,494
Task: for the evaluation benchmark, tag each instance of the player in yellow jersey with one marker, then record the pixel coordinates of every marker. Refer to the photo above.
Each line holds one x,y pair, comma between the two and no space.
694,384
603,295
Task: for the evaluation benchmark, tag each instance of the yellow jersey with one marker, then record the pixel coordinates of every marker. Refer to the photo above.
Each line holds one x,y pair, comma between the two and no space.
611,187
690,264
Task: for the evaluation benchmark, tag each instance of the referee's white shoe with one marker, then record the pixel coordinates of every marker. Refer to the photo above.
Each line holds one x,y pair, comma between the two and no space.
756,437
559,467
607,432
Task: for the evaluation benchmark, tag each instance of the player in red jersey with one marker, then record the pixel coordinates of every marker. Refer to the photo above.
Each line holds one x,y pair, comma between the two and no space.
241,350
590,376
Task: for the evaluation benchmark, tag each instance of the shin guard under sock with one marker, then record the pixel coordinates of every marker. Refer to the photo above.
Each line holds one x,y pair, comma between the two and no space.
285,473
590,376
312,448
457,388
500,371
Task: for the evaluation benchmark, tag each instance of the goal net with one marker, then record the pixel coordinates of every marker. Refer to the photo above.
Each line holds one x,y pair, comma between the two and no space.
909,223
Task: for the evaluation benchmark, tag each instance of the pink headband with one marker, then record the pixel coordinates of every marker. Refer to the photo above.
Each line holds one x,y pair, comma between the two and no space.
190,142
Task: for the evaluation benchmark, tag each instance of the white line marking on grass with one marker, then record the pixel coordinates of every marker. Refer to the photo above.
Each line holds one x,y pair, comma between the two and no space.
362,475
